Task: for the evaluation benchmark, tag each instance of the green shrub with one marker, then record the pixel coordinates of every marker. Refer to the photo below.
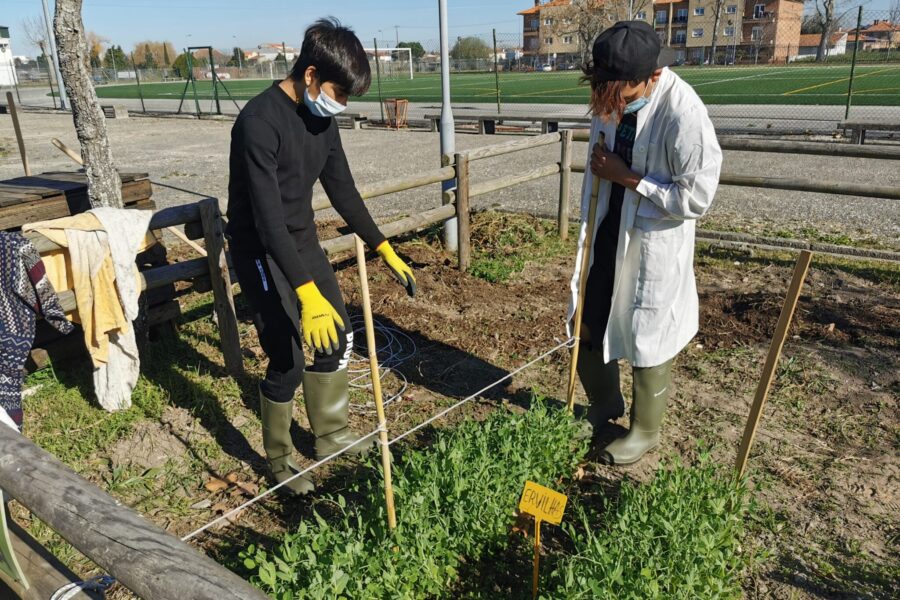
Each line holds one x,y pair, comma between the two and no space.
678,536
455,504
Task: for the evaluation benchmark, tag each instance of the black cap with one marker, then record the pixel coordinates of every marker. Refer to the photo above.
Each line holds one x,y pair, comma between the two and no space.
629,51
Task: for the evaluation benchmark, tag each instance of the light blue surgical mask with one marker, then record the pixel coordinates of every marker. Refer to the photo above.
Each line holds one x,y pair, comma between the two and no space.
324,106
636,105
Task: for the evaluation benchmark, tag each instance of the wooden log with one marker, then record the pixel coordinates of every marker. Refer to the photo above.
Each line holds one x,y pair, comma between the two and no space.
486,187
768,373
864,190
464,235
223,298
391,186
810,148
45,573
395,228
526,143
143,557
14,113
565,173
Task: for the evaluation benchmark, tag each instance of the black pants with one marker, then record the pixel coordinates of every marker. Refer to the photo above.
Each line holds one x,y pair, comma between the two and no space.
599,289
276,314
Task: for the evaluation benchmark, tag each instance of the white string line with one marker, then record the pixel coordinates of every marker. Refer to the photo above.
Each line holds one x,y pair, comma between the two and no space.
381,427
395,349
564,344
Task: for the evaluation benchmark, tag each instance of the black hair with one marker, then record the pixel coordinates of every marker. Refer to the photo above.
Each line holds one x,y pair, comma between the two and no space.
338,56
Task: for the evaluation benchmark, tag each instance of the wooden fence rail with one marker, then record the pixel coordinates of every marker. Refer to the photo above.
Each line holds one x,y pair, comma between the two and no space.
863,190
143,557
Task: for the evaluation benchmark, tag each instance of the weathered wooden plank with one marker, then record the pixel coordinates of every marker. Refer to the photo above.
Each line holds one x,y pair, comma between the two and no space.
45,573
139,554
63,206
223,299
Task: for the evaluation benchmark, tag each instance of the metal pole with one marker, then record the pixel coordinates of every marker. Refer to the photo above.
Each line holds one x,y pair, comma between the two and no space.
496,72
448,126
215,81
853,63
287,69
378,78
137,78
60,86
112,57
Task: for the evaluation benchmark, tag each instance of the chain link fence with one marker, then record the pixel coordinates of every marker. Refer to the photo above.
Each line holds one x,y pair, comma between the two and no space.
755,69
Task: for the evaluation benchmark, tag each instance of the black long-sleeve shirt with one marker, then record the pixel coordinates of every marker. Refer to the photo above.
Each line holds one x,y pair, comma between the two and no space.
278,150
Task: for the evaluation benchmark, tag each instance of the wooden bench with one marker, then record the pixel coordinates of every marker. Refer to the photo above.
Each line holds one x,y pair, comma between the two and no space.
859,128
355,119
487,124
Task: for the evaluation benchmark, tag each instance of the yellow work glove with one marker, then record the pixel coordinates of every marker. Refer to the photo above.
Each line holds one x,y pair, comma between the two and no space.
399,268
318,318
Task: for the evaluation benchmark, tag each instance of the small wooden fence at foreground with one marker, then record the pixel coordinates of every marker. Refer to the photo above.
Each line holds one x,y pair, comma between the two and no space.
154,564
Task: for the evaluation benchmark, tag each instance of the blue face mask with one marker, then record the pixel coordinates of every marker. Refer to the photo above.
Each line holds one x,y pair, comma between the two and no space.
324,106
636,105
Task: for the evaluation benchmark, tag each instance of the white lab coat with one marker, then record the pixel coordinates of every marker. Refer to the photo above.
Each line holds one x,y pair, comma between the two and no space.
655,309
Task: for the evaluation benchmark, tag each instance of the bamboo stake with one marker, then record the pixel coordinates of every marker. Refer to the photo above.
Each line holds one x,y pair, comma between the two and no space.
376,383
14,113
582,285
173,230
768,373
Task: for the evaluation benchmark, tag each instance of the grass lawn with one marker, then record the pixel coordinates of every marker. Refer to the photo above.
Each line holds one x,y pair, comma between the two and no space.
874,85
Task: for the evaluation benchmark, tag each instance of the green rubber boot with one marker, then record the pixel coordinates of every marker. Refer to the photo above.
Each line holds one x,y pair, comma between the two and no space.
601,384
650,394
327,397
276,427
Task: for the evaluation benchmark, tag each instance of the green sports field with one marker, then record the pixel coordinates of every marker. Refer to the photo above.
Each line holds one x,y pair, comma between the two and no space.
874,85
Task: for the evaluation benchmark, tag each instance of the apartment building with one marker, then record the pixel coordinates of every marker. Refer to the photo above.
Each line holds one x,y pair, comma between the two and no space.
552,31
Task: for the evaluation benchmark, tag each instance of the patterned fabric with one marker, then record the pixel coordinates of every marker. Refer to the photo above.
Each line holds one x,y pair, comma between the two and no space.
25,293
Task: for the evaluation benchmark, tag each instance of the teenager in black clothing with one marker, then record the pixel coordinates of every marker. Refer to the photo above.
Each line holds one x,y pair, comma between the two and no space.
282,142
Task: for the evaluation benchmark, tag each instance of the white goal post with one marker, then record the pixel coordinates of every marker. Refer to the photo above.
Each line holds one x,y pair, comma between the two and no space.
390,51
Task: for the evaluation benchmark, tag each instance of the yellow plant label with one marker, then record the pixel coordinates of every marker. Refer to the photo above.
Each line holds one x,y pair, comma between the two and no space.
542,503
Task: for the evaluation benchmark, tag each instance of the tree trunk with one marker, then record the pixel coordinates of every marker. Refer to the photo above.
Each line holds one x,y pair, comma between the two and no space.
104,185
827,26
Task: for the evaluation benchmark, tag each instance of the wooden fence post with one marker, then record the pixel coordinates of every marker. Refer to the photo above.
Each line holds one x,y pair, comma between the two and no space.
565,171
223,299
462,211
14,113
768,374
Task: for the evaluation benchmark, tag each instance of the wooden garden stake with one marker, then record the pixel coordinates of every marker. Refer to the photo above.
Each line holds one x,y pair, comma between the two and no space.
14,113
582,284
768,373
376,382
537,558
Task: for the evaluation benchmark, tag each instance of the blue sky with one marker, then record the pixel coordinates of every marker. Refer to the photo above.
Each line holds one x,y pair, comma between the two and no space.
247,23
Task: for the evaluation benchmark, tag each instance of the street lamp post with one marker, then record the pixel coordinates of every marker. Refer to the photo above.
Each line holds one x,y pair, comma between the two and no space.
448,126
60,87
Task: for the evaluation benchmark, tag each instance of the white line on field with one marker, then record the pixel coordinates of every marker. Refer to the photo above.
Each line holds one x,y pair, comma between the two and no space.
737,78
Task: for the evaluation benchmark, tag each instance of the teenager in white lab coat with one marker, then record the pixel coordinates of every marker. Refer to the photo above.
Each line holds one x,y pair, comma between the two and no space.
655,151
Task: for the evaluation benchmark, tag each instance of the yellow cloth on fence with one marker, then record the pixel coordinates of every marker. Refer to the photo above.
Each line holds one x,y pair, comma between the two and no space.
91,277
